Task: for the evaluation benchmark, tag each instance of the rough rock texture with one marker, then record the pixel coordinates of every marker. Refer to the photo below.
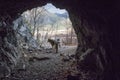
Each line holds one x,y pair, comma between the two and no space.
91,54
27,40
96,23
9,47
13,38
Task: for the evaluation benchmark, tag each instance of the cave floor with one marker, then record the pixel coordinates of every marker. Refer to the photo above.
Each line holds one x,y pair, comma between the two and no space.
46,65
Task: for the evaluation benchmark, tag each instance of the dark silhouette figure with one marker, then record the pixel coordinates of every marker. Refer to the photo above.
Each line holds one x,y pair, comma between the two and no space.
54,44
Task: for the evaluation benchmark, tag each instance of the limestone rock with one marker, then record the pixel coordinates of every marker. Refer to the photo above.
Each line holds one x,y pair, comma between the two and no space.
26,37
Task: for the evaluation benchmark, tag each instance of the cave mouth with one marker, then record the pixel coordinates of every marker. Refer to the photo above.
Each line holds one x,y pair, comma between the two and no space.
48,22
47,42
96,26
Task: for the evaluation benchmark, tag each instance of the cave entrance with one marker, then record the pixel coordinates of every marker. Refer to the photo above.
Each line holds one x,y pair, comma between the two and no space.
49,22
35,28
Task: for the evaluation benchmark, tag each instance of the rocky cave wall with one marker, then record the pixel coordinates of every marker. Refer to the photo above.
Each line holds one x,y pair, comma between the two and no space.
14,37
97,27
10,50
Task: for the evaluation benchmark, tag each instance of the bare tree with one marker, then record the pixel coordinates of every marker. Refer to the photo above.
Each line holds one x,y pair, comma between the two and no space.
71,34
36,14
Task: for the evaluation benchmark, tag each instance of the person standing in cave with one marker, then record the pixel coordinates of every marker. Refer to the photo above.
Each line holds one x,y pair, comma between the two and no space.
58,41
54,44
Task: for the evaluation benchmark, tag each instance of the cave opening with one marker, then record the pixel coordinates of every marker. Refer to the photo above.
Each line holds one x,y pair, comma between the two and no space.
47,23
96,24
48,43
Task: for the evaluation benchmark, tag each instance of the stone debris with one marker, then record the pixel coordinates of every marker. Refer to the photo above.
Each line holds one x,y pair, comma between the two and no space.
38,59
46,66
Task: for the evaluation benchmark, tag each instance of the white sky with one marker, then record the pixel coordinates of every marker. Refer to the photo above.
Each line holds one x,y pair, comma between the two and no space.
51,8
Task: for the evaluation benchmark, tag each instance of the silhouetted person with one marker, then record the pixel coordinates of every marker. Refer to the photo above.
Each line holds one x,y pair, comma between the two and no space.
54,44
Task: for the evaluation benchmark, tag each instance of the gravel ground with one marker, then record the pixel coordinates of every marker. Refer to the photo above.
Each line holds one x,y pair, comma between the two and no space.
57,66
